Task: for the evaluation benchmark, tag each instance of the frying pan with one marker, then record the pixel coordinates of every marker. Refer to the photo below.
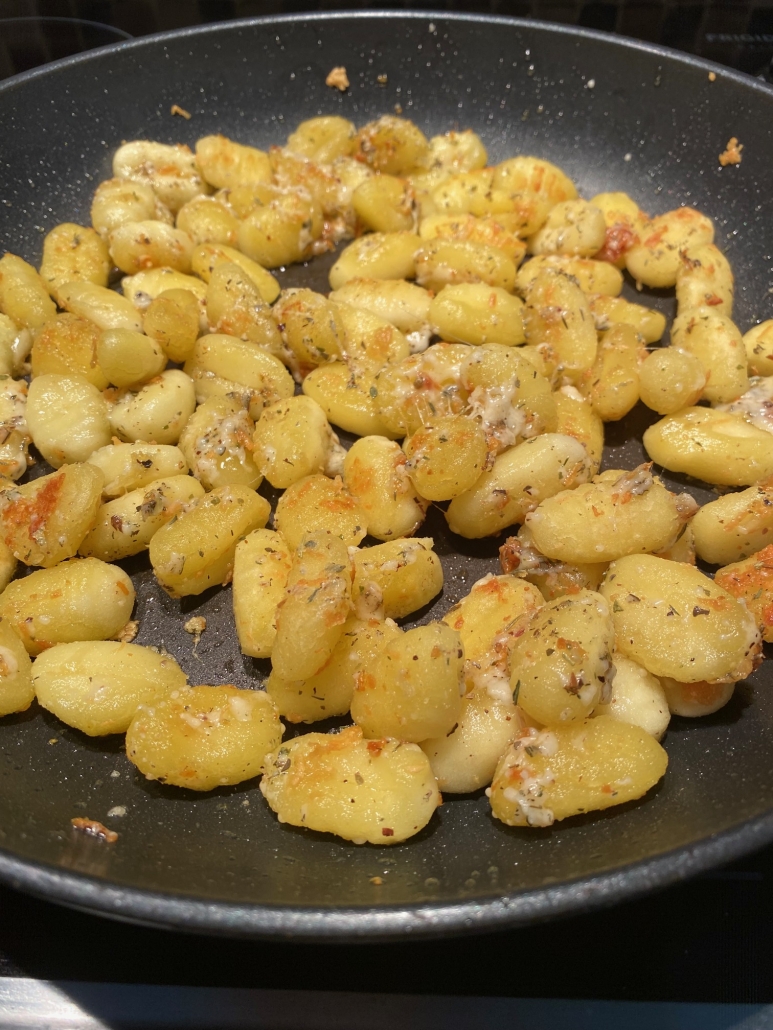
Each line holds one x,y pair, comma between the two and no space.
615,115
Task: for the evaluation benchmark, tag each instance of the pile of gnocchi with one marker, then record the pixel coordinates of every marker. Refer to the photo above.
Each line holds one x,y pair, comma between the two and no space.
475,342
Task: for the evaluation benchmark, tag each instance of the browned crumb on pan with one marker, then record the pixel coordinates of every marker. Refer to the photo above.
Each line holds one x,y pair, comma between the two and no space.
195,627
338,79
712,77
94,829
176,109
376,881
732,153
129,632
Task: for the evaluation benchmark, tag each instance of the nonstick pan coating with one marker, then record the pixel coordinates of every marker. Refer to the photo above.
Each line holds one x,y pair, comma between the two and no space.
614,115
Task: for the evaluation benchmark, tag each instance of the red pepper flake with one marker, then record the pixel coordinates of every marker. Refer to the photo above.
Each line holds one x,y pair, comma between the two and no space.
376,746
94,829
387,832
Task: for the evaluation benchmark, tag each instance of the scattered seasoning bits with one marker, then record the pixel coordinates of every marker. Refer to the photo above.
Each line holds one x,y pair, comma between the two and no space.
176,109
196,627
129,632
338,79
387,832
732,153
94,829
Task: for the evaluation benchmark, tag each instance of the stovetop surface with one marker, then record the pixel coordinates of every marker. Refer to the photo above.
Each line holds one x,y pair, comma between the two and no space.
705,941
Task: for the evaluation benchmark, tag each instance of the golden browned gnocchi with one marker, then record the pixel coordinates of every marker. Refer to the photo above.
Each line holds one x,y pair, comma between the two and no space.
481,387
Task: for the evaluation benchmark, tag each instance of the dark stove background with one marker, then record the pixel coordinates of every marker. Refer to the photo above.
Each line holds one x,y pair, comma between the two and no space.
705,941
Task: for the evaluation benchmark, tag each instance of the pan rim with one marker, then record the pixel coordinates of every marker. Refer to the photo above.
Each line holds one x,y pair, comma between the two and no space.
387,922
557,28
161,910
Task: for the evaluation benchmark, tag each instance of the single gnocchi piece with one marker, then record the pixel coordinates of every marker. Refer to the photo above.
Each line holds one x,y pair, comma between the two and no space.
656,259
293,439
392,145
67,345
676,622
349,398
370,342
137,246
196,550
552,774
223,366
500,230
553,578
446,457
207,257
208,220
172,319
611,311
235,307
403,304
612,382
576,417
157,413
127,358
282,231
204,737
169,170
637,698
310,327
217,444
384,203
671,379
16,690
105,308
377,255
315,606
366,791
126,525
323,139
444,262
396,578
519,479
573,227
693,700
465,760
619,513
98,686
223,162
67,418
318,503
412,690
597,279
560,666
718,345
758,344
376,473
44,521
716,446
262,563
705,279
24,296
73,253
557,315
122,200
736,525
14,432
79,599
476,313
484,615
128,466
751,580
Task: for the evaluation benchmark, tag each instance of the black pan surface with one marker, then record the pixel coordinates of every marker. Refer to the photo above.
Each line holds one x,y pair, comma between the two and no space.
615,115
